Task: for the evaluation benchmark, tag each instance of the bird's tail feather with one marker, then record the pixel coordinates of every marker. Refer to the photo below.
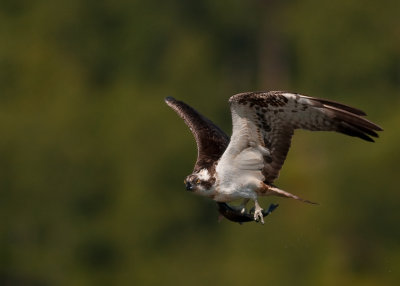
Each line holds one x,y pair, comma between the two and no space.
274,191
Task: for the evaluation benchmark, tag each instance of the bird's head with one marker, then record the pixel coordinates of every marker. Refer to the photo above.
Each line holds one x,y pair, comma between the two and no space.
200,182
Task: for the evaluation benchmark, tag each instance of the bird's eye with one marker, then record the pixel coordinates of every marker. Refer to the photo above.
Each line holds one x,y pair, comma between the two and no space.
198,181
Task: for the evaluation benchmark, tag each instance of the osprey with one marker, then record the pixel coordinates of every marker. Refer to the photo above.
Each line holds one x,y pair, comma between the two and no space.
246,165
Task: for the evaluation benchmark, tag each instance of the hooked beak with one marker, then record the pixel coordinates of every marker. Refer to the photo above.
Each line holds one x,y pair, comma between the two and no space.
189,186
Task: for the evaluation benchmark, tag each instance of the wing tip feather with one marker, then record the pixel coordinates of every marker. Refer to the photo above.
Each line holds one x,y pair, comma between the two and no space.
361,132
169,99
335,104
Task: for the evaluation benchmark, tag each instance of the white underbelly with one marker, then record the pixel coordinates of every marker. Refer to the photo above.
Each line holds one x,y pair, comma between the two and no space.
230,192
239,176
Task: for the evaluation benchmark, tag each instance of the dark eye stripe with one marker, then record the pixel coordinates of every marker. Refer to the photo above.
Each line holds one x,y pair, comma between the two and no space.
206,184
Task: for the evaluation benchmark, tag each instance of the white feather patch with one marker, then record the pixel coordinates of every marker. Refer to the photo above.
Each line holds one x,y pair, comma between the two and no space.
203,175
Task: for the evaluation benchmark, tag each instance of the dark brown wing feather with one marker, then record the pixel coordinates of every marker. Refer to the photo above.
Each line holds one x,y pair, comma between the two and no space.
211,140
273,116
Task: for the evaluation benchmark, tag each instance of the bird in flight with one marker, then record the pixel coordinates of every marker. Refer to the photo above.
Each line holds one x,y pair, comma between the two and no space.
246,165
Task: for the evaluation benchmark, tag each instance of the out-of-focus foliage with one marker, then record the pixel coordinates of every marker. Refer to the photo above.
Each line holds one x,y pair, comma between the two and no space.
92,160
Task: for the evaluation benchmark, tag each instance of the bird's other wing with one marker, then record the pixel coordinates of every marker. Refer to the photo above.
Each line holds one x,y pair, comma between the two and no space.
211,140
264,122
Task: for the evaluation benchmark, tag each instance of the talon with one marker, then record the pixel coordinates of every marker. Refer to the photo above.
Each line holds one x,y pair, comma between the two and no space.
258,216
258,213
243,210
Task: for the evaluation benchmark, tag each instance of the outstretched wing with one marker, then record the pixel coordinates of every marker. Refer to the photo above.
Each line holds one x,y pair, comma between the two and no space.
264,122
211,140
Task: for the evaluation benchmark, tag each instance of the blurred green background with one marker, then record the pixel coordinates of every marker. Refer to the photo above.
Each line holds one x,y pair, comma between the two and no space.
92,160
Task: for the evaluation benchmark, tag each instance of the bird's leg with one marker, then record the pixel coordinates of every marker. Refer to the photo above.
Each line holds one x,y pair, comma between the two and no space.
258,215
242,206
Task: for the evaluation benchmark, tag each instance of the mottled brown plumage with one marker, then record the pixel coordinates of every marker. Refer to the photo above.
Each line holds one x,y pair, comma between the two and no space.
211,143
246,165
276,121
211,140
